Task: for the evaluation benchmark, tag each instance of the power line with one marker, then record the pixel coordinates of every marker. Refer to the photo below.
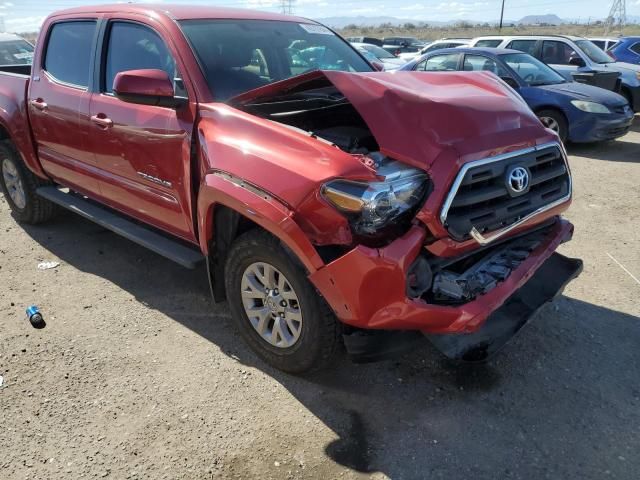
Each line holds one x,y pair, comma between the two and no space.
617,16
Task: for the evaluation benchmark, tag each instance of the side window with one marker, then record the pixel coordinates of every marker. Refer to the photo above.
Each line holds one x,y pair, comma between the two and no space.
526,46
488,43
557,53
635,48
441,63
134,47
478,63
601,44
68,52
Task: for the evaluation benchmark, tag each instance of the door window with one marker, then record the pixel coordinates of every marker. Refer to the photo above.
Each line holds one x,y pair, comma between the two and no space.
134,47
68,52
557,53
635,48
479,63
527,46
440,63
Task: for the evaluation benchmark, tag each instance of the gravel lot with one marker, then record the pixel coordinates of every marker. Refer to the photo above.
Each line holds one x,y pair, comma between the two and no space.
138,375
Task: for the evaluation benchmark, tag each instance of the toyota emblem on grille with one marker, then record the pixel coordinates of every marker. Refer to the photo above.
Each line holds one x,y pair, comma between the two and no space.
518,179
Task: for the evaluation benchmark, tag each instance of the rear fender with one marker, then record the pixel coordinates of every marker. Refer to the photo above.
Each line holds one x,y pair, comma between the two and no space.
14,120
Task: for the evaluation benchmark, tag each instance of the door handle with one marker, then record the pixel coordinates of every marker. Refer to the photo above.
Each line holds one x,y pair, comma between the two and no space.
39,104
102,121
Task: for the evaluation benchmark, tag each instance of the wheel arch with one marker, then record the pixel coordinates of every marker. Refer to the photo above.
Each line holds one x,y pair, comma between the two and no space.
227,207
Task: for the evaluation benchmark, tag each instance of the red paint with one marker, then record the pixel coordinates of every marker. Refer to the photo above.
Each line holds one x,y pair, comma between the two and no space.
171,167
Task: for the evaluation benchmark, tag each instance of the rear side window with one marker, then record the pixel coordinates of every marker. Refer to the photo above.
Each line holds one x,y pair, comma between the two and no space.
135,47
600,44
488,43
527,46
68,52
478,63
635,48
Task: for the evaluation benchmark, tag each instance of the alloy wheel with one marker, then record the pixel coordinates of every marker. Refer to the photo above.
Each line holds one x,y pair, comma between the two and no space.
13,182
271,305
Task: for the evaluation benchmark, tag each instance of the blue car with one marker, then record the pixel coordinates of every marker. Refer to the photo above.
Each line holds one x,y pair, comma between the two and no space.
626,50
576,112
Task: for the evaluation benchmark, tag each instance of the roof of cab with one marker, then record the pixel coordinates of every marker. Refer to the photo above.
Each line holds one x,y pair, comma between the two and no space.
182,12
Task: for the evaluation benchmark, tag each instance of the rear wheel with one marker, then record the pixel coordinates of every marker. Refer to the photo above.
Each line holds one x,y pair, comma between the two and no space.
277,310
555,121
19,186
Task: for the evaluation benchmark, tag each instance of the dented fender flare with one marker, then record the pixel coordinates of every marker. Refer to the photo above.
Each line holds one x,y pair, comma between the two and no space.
219,188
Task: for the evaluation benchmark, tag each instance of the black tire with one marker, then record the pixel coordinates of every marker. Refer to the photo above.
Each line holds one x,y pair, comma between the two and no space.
36,209
558,118
320,334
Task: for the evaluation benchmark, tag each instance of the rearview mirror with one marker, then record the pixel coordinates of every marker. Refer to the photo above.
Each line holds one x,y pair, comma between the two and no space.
577,62
146,87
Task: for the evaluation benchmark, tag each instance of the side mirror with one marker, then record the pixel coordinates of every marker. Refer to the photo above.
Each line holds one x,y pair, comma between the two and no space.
510,81
146,87
378,66
577,61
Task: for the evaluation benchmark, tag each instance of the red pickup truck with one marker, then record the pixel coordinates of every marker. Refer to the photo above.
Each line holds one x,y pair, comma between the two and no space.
333,205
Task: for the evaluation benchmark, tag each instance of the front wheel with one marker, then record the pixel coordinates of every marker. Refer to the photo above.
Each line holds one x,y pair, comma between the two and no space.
19,186
277,310
555,121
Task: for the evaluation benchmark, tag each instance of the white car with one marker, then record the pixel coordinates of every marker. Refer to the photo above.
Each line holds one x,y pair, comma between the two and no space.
373,53
437,45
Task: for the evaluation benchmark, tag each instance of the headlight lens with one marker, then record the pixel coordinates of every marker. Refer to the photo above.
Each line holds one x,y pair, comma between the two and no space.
590,107
372,206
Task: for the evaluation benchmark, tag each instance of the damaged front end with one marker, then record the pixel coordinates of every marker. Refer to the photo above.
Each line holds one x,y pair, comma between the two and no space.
401,184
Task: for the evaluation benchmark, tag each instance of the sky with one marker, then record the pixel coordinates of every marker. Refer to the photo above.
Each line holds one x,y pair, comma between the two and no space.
27,15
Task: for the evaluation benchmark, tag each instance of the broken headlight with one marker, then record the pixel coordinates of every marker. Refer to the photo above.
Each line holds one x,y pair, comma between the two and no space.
372,206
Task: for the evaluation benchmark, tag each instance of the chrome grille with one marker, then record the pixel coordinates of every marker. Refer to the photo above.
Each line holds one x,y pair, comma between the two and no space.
481,196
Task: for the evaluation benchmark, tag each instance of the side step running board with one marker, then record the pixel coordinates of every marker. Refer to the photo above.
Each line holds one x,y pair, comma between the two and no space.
171,249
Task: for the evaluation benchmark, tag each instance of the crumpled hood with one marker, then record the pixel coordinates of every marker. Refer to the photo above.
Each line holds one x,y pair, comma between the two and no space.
581,91
415,116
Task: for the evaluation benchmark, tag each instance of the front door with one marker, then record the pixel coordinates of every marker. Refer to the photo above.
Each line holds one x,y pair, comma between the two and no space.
142,150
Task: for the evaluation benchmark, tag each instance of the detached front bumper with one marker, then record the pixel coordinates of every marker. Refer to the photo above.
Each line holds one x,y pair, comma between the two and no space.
367,287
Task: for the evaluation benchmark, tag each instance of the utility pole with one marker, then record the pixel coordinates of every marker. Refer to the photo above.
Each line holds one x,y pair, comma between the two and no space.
501,16
617,16
286,7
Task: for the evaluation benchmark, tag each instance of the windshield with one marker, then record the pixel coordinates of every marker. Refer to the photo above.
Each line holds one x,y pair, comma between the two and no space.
16,52
593,52
532,70
377,51
239,55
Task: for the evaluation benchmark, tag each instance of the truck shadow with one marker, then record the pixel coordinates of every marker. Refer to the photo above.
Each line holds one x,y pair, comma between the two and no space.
562,399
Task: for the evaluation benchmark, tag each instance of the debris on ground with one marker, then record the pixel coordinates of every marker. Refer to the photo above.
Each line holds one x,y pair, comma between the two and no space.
48,265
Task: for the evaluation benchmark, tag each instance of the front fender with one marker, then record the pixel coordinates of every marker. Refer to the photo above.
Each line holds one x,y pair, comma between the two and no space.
219,188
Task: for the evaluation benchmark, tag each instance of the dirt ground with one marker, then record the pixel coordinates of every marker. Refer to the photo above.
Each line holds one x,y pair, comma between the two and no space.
139,375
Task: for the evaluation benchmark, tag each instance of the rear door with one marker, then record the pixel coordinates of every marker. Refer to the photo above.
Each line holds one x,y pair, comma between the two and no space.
143,150
59,103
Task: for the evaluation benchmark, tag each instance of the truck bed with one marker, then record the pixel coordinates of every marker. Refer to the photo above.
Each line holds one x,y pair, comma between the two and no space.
14,84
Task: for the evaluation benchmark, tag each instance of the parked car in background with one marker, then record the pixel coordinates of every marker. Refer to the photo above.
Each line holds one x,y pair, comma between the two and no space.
578,59
576,112
369,40
437,45
374,53
604,43
398,45
16,54
626,50
331,208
